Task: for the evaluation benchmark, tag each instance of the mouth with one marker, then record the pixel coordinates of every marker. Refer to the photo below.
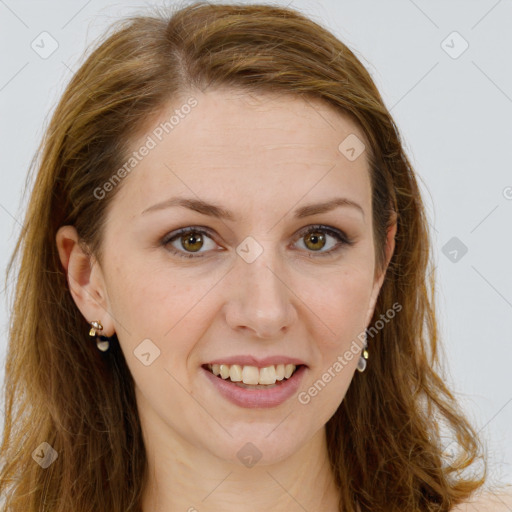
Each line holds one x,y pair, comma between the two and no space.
253,377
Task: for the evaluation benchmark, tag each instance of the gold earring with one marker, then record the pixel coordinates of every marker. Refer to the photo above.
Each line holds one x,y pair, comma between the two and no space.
96,326
102,343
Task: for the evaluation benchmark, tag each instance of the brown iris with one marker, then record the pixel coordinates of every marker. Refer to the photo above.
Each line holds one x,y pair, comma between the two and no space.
192,241
317,239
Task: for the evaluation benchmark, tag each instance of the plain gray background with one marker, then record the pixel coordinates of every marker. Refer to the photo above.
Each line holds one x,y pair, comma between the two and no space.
444,69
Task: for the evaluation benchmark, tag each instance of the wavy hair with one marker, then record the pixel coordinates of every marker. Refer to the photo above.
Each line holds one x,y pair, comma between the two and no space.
384,441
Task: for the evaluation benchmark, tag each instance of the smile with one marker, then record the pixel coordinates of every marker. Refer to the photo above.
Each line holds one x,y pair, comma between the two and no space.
252,375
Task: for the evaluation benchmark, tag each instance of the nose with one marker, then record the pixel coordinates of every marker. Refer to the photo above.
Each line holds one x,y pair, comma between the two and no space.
260,299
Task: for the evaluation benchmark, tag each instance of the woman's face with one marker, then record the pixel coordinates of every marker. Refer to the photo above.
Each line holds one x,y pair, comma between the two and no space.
252,287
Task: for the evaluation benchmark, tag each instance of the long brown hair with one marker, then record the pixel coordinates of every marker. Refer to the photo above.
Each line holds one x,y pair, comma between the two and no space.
384,441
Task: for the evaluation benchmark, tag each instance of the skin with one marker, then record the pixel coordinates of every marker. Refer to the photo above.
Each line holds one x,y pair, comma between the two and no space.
260,157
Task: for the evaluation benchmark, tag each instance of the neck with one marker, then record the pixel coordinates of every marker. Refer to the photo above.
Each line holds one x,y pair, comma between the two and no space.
185,478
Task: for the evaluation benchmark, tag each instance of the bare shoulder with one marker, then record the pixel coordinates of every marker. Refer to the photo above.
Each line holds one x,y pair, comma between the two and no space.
499,500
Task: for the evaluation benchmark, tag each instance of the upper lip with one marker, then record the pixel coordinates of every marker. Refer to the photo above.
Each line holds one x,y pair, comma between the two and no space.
245,360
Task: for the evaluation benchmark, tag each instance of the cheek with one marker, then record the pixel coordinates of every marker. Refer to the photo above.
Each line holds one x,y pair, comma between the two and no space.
148,302
340,306
339,311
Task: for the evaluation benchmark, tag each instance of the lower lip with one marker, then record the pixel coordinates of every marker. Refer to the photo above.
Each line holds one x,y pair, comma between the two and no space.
257,397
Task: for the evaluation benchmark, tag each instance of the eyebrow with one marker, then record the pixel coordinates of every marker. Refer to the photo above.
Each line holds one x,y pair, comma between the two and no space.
221,213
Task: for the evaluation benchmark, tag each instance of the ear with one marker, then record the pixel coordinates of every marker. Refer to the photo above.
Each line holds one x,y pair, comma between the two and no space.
85,279
379,279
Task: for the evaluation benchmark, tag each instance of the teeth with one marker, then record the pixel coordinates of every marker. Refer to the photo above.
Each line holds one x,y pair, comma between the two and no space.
268,375
250,375
235,373
253,375
280,371
224,371
288,370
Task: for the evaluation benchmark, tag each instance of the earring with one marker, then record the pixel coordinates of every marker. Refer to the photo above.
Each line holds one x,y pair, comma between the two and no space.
102,343
361,364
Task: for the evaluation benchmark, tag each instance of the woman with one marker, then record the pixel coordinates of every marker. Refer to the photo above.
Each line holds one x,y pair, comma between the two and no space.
223,204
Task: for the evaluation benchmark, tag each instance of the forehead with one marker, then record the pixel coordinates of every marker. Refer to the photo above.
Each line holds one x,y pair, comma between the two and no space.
238,146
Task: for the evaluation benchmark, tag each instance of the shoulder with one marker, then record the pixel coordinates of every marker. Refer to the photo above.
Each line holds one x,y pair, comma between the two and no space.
488,501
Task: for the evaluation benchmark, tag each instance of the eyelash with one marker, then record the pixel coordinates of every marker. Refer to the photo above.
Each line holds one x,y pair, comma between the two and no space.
343,239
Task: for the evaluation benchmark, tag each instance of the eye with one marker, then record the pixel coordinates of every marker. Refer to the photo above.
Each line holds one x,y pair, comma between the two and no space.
315,239
188,242
190,238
